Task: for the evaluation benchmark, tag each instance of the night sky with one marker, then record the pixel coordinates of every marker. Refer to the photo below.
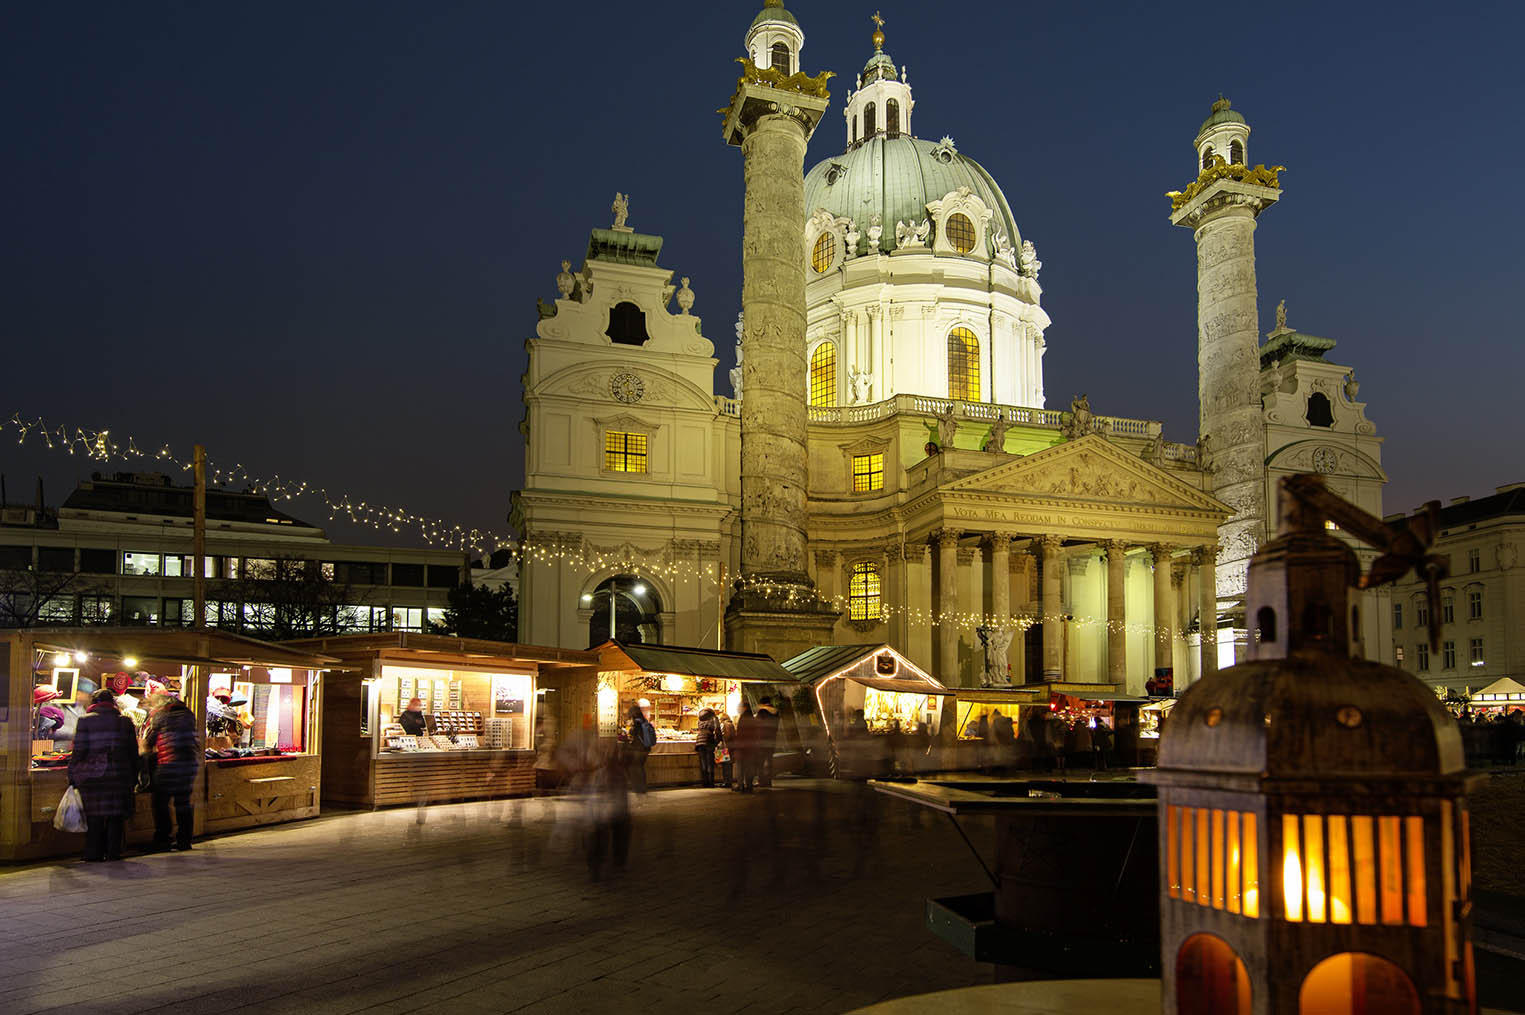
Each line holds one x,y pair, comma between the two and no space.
311,235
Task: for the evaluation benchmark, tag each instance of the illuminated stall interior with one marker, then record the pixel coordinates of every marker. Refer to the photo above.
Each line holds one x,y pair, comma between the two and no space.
894,694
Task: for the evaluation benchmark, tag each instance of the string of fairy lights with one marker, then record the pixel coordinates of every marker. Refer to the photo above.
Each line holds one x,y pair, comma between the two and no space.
101,445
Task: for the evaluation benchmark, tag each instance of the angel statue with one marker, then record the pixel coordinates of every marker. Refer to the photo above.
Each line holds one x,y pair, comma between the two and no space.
621,209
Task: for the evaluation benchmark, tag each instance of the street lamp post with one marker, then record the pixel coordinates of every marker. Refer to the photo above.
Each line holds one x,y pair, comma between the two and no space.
587,598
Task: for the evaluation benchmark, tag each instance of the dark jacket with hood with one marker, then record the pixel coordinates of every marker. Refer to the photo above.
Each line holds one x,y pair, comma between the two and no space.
708,732
171,737
105,733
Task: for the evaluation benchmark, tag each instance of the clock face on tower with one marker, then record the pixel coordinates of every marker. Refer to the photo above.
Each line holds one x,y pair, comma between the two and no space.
1325,460
626,387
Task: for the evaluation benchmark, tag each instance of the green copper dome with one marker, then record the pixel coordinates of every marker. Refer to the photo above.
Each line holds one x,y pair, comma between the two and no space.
896,177
1222,113
774,12
880,65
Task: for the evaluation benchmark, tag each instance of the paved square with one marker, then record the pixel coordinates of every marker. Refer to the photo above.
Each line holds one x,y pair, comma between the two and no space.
808,898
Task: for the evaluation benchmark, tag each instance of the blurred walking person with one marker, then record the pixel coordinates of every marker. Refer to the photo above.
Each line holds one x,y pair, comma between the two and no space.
767,740
104,768
705,741
744,749
726,753
643,737
607,806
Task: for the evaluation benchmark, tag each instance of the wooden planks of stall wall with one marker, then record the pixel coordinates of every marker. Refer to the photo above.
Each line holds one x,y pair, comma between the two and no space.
346,754
447,776
247,794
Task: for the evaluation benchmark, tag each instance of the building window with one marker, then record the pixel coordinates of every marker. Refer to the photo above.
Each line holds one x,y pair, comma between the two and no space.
781,57
1476,645
1422,657
1448,655
855,130
1236,152
868,121
57,610
627,325
823,374
863,592
410,575
624,452
1447,609
1397,616
868,472
823,253
1474,604
1207,157
960,232
56,559
139,562
963,365
892,118
1474,560
1320,411
1421,612
97,610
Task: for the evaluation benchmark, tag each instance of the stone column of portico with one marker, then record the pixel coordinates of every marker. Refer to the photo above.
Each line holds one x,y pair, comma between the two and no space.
1163,634
947,607
1206,559
875,351
1000,599
1053,606
1117,612
775,607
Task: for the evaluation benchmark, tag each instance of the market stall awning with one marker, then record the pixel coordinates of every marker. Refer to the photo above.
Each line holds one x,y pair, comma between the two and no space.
1501,690
901,686
352,646
692,662
1000,695
209,647
877,666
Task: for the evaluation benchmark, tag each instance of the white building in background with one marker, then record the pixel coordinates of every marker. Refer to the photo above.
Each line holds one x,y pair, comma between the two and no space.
951,513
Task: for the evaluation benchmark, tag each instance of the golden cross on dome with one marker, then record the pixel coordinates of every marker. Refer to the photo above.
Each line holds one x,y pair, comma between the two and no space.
877,20
878,36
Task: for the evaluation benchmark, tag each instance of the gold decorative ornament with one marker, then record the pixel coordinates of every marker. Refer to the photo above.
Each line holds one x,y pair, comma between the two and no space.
1258,176
751,74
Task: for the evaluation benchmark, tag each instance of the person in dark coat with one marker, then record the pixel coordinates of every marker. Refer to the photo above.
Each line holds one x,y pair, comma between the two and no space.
643,737
704,745
744,749
104,768
727,731
412,718
171,740
767,741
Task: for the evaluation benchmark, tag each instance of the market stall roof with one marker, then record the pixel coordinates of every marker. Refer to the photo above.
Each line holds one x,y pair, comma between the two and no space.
901,685
1090,692
210,647
824,661
692,662
1000,695
351,646
1506,688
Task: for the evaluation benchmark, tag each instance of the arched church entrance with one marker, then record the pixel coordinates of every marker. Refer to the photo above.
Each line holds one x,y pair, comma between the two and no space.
636,610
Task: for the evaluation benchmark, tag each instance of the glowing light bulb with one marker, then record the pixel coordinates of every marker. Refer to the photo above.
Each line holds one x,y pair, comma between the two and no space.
80,657
61,659
130,662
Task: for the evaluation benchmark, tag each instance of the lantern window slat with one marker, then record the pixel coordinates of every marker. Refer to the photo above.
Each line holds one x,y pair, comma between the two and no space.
1418,908
1251,843
1218,858
1188,869
1233,875
1390,841
1363,839
1313,867
1291,869
1173,850
1340,907
1204,882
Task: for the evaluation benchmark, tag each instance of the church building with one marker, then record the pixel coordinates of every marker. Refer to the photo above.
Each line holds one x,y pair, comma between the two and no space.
948,512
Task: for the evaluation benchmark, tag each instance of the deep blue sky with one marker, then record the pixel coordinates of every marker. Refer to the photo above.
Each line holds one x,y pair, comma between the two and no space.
311,235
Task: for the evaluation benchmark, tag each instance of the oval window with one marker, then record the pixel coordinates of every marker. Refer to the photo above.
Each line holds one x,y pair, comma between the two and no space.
960,232
823,253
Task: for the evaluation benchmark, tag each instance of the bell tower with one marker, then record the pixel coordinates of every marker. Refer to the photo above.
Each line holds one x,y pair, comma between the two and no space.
1221,207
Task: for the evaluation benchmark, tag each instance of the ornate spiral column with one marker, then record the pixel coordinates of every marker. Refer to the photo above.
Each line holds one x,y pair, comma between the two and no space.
1117,612
1207,607
1163,627
947,607
1050,548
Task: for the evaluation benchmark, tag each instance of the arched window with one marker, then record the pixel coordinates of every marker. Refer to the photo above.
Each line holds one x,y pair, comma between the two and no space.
627,325
1320,411
960,232
863,598
1236,152
1210,978
1356,982
637,611
781,57
823,374
892,118
824,252
868,121
1207,156
963,365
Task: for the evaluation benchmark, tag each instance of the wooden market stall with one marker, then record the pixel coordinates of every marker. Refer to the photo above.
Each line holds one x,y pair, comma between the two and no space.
680,683
979,725
262,744
877,710
487,706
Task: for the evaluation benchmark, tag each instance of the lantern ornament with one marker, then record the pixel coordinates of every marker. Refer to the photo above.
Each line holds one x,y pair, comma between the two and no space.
1313,819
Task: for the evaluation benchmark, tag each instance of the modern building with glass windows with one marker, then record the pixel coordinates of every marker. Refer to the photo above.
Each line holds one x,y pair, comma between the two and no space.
118,551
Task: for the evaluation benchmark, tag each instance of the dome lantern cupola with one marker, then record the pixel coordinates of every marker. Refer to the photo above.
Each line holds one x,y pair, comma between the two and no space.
775,39
1224,134
882,104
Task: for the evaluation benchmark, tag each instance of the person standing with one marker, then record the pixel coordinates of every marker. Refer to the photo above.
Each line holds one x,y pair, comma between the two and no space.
767,740
104,768
170,740
743,748
727,752
412,718
643,737
707,736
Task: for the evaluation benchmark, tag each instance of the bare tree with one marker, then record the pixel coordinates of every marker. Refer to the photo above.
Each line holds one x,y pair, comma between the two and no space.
32,598
290,597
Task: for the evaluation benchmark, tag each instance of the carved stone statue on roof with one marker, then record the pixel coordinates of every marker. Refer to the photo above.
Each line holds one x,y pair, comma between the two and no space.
621,209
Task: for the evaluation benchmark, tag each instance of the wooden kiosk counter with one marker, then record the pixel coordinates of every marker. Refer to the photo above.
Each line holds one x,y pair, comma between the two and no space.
486,708
258,706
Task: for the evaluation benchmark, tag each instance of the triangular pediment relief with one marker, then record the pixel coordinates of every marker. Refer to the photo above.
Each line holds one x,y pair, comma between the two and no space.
1090,470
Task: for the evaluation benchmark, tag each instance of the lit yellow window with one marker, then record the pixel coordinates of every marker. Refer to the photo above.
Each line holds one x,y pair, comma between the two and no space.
863,592
868,472
963,365
823,374
824,251
624,452
960,232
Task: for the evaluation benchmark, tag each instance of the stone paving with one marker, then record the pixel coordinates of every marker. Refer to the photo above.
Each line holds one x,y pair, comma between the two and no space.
808,898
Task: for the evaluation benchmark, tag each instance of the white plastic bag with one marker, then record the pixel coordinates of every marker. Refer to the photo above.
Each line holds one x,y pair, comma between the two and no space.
70,815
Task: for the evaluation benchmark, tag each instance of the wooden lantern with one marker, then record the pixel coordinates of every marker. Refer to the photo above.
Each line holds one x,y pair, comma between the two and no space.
1313,819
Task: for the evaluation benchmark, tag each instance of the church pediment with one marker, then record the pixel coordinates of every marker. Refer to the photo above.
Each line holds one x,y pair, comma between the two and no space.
1089,470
